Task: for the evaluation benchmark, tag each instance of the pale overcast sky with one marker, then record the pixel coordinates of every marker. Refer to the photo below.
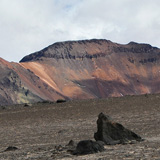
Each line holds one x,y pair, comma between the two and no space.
27,26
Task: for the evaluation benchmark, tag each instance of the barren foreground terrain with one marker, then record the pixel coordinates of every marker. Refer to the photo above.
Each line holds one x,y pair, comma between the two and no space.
39,129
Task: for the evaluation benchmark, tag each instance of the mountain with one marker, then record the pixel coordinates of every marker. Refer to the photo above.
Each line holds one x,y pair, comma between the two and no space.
81,70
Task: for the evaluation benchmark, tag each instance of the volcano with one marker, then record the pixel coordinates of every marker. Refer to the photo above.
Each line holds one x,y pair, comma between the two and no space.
85,69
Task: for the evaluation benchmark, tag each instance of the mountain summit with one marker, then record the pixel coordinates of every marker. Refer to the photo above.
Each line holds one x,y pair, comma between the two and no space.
81,70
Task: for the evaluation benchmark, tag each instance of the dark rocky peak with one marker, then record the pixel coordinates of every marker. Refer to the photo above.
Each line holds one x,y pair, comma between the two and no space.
134,47
93,48
132,43
141,45
33,56
68,49
98,41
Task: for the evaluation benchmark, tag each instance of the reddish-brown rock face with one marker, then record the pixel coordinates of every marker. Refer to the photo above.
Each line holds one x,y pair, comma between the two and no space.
81,70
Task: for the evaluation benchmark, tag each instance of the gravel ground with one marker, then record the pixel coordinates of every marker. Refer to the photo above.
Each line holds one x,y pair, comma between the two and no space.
41,131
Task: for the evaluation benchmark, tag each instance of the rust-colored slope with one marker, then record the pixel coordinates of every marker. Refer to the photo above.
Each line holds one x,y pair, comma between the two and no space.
59,79
88,69
18,85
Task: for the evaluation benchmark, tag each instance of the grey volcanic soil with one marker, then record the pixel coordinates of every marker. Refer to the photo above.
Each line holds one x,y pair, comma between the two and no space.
36,130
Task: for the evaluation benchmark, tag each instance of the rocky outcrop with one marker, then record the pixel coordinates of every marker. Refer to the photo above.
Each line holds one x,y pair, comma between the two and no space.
82,70
112,133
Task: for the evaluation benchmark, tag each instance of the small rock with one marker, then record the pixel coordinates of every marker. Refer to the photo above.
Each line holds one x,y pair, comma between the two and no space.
10,148
60,101
59,148
26,105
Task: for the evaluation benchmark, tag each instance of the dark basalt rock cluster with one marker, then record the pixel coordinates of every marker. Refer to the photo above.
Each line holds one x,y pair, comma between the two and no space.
108,133
112,133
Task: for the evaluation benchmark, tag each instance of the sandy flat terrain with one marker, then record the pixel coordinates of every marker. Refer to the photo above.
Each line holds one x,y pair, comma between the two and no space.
36,130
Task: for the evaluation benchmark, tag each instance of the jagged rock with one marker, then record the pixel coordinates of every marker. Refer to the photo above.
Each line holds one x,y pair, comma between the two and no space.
71,146
89,147
71,143
112,133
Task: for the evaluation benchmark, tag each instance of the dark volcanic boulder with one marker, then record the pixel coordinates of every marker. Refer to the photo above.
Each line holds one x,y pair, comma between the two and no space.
10,148
112,133
89,147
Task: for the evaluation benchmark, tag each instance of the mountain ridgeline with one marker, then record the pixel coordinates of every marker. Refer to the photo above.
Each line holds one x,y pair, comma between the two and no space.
83,69
83,49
